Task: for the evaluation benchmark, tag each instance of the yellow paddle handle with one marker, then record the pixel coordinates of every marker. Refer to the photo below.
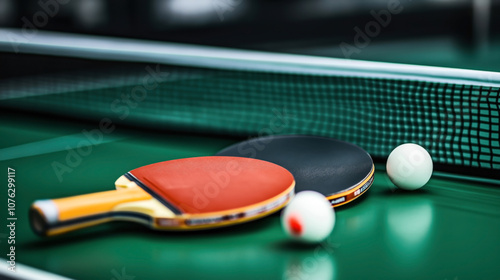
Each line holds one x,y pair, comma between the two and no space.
56,216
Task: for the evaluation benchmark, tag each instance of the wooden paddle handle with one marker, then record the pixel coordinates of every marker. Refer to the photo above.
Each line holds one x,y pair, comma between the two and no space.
56,216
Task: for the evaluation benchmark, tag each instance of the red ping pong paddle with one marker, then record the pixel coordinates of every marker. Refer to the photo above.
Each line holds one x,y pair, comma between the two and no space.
183,194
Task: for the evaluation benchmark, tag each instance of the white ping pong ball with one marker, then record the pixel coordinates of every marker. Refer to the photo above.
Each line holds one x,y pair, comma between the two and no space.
309,217
409,166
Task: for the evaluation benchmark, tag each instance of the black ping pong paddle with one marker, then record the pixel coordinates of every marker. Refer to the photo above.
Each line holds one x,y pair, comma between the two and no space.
339,170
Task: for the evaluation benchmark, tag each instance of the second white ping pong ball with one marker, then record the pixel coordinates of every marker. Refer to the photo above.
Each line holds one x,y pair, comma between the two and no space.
409,166
309,217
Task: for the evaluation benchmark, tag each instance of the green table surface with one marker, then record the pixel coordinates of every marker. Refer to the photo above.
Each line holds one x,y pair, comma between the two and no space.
448,230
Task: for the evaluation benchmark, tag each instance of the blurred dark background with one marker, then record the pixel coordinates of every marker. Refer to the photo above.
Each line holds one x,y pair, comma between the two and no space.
452,33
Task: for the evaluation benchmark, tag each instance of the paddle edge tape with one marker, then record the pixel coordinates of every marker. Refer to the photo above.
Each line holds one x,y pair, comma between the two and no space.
344,197
167,204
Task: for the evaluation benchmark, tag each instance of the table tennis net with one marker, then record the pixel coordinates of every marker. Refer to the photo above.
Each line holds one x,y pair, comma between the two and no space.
457,123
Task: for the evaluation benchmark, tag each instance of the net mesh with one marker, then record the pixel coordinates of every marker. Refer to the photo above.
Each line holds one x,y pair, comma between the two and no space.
457,123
